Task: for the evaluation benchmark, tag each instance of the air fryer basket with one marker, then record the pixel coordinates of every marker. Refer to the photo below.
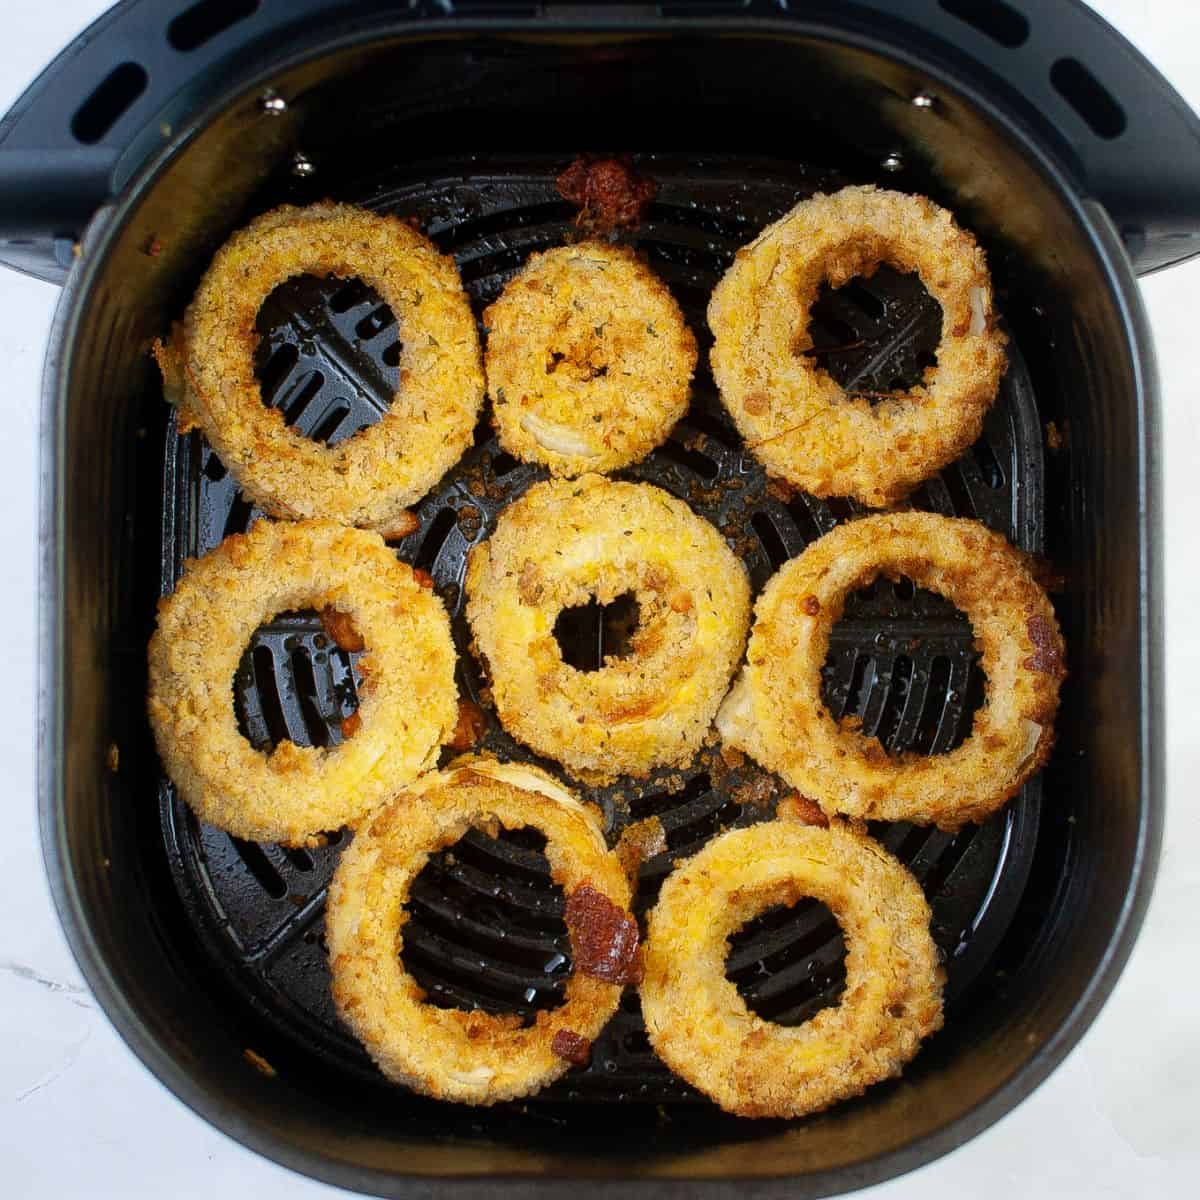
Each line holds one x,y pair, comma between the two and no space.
203,948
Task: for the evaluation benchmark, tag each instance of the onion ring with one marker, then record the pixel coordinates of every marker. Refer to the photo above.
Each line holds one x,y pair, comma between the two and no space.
471,1057
408,700
589,362
775,712
372,477
701,1027
798,421
560,545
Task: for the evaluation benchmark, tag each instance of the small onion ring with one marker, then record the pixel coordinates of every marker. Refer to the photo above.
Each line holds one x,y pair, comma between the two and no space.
408,700
470,1057
775,712
589,361
797,420
701,1027
370,478
566,542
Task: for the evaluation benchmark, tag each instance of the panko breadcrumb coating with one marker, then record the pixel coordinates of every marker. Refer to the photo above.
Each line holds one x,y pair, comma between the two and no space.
794,416
371,478
408,703
700,1026
448,1053
565,543
775,712
589,362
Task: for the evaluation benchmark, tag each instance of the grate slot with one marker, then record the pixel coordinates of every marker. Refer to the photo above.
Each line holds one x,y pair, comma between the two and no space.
261,867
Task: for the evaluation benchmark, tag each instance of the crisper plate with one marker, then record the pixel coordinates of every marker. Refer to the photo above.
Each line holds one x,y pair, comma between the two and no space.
486,927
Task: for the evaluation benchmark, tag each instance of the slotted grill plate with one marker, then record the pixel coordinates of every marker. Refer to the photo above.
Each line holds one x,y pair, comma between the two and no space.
486,925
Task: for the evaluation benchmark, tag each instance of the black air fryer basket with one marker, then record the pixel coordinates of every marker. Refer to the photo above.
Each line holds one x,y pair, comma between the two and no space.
168,124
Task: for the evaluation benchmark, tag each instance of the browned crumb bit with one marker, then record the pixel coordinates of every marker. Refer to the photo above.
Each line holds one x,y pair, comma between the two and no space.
490,825
780,489
639,843
795,807
810,605
609,193
351,725
1047,654
112,759
529,583
341,630
259,1063
567,1044
732,757
604,939
470,727
423,577
153,246
681,601
469,520
405,523
1046,574
1055,437
755,792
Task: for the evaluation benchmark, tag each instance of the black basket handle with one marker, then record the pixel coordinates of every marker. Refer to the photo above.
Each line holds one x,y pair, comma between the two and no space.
121,89
117,93
1118,127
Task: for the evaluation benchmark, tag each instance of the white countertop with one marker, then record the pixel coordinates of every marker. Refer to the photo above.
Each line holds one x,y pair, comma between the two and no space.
80,1116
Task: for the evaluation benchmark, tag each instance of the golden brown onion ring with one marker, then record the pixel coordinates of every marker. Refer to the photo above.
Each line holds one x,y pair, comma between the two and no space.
799,422
408,700
701,1027
775,712
565,543
370,478
589,362
470,1057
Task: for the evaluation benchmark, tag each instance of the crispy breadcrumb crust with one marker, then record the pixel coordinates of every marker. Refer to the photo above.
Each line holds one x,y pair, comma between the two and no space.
589,361
775,712
566,542
372,477
794,416
701,1027
451,1054
408,703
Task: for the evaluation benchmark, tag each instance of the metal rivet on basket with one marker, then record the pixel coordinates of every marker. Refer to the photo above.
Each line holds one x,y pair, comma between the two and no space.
892,162
302,166
272,103
924,100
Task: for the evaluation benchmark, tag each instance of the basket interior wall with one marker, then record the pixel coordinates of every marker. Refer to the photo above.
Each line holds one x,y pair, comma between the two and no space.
367,121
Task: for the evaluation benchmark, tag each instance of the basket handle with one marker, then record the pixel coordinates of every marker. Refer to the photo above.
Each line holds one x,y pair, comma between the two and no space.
122,88
114,96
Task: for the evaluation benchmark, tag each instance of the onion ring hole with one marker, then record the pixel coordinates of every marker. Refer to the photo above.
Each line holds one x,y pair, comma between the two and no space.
775,985
533,945
349,355
589,633
878,688
319,673
874,362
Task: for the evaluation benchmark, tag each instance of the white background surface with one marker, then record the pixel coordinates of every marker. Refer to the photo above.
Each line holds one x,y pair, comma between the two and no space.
79,1115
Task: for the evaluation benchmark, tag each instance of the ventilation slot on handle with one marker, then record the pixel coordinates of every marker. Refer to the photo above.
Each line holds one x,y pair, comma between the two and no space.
202,22
993,18
1088,97
109,102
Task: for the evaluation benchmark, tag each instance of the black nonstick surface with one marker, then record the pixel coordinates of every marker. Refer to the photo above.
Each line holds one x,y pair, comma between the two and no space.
486,925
